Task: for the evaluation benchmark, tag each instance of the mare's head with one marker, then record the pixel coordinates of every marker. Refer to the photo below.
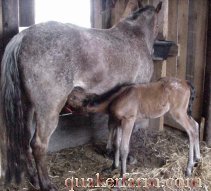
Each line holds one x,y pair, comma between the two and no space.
145,21
146,17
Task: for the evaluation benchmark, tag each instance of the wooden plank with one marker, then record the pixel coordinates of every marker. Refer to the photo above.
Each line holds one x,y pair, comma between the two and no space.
200,54
0,166
197,19
207,84
1,53
96,13
26,13
106,14
2,144
1,32
118,10
10,19
163,74
182,29
171,69
201,133
196,58
131,6
191,41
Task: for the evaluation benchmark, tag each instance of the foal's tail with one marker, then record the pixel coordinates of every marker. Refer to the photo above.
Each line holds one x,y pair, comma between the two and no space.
100,103
192,97
12,108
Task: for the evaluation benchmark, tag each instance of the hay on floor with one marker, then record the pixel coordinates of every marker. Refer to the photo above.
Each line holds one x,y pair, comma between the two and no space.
161,155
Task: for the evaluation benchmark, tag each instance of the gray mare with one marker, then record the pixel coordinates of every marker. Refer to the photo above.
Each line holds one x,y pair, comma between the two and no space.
42,65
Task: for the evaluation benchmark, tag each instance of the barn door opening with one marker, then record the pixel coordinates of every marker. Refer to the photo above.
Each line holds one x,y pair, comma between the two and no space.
65,11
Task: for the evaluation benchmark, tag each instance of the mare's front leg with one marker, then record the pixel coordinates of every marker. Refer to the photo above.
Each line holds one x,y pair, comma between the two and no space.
46,123
127,128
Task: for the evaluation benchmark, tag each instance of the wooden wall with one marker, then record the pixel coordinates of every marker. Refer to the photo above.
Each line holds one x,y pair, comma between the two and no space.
26,13
187,25
14,13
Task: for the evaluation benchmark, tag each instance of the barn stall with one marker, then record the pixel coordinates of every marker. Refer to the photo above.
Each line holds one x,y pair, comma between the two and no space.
160,154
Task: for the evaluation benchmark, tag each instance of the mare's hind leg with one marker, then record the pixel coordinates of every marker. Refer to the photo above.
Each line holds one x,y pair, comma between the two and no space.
46,123
30,170
184,120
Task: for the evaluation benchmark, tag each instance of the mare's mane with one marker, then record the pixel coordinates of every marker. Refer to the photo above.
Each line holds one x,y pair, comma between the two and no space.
138,12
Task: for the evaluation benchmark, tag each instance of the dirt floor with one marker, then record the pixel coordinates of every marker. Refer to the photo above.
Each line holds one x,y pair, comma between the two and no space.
161,155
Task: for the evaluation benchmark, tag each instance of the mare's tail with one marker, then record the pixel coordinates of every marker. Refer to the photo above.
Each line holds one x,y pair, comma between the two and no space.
191,99
12,109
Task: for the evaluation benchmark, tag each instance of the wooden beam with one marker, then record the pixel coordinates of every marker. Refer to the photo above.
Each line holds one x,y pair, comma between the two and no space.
132,5
10,19
96,13
2,144
200,17
207,84
117,11
201,130
106,14
26,13
191,41
182,28
171,69
1,32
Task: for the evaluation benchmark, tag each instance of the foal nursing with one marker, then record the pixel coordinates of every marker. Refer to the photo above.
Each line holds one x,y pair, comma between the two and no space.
124,104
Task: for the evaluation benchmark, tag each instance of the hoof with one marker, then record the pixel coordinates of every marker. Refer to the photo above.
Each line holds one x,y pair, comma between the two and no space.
131,160
197,159
118,183
51,187
34,183
107,170
33,187
188,173
109,153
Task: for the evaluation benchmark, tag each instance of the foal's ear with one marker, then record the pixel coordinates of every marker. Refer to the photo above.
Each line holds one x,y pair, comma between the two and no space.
158,8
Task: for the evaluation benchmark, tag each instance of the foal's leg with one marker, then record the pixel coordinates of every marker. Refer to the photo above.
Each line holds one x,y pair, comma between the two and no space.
127,128
46,124
111,135
197,155
117,147
183,119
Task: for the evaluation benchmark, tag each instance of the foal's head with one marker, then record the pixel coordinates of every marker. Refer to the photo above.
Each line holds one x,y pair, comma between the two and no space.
147,19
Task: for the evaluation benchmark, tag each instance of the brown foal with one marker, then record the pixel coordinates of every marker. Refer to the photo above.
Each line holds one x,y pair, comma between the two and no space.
129,102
